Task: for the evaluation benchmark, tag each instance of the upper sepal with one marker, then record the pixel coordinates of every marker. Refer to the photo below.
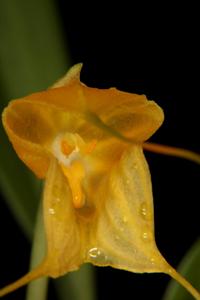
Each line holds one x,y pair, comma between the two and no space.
33,122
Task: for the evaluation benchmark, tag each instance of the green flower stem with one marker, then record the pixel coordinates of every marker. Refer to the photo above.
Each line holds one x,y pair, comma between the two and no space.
77,285
37,289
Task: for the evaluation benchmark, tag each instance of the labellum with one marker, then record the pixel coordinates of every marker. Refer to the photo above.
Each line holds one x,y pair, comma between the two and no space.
88,145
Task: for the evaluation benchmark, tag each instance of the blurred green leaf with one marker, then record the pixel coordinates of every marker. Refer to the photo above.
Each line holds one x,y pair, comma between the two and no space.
39,286
190,269
18,186
32,56
77,285
32,53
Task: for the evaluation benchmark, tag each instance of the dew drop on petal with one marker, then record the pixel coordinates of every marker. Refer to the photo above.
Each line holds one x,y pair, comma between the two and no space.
124,219
152,261
143,209
169,270
145,235
51,211
96,255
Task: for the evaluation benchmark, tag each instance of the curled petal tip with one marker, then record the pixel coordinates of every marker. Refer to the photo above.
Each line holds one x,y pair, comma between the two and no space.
71,76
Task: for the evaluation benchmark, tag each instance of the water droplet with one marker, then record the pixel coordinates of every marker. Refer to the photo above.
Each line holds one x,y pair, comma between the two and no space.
143,209
145,235
152,261
94,252
124,219
169,270
51,211
97,255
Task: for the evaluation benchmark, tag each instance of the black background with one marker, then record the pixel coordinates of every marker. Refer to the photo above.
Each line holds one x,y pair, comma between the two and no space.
149,50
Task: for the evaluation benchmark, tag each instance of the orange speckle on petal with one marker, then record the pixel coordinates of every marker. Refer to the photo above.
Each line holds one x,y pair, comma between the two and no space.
90,147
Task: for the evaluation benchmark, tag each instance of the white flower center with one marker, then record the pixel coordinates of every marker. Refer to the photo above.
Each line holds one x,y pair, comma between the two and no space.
70,149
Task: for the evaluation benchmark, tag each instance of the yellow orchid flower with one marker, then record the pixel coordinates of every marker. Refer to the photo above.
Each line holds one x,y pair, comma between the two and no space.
88,145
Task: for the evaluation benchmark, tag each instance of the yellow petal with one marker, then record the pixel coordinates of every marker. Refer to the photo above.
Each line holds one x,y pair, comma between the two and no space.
62,229
33,122
129,114
72,76
123,233
31,129
124,229
115,228
172,151
98,207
